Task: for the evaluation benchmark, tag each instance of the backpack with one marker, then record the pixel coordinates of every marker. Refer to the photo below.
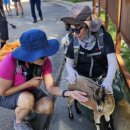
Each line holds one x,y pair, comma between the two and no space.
7,48
100,41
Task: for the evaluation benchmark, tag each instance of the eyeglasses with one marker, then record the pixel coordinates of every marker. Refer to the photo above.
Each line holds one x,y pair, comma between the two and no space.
76,30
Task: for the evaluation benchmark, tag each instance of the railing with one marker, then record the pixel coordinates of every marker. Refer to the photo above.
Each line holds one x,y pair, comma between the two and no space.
118,12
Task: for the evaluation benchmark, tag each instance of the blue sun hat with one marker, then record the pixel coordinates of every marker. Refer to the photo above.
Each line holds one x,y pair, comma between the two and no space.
34,45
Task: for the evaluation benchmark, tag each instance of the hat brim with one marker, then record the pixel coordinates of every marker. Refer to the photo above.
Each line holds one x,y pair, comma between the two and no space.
31,56
72,21
93,24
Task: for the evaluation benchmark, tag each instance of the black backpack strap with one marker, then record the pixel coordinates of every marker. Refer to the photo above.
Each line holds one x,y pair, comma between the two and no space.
100,40
76,50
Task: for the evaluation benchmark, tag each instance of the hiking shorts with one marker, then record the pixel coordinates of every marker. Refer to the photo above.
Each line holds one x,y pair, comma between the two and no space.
10,102
4,30
16,0
6,2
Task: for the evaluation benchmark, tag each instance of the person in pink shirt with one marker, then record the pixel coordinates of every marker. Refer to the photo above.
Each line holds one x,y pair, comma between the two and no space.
21,74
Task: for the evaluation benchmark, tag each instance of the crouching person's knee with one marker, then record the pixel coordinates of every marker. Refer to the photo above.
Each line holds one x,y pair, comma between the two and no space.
44,106
49,107
26,100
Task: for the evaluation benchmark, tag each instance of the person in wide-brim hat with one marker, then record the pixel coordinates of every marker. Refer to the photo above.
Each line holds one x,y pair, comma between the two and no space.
87,45
21,74
82,15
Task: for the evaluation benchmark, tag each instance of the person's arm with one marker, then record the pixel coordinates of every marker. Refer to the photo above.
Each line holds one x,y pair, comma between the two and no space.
112,67
7,89
72,74
112,62
51,88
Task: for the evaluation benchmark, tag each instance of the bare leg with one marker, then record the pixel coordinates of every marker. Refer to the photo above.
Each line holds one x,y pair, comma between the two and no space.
16,8
44,106
7,9
21,8
25,106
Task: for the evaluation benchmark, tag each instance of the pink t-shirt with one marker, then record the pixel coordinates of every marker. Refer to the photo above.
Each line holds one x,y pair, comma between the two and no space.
8,70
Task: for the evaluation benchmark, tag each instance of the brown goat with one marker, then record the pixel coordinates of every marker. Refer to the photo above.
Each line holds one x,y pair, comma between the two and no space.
99,100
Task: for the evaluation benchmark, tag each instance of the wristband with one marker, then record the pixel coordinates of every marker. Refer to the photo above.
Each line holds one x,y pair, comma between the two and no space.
63,93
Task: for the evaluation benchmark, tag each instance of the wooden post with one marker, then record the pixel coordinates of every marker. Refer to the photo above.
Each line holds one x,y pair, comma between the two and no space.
106,16
99,7
93,6
118,37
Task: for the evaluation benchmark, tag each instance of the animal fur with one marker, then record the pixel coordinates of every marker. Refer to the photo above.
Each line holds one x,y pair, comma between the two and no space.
65,42
100,106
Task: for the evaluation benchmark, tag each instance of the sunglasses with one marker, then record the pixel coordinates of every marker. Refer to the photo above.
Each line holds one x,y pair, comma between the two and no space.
76,30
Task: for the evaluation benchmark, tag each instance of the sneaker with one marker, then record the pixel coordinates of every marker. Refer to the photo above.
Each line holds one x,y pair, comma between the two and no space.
31,116
9,14
35,21
41,18
22,126
17,14
22,14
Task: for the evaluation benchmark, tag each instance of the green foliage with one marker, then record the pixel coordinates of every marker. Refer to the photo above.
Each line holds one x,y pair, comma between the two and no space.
125,53
111,26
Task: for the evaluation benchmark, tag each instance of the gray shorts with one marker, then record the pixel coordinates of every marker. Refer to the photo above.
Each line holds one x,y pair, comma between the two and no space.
10,102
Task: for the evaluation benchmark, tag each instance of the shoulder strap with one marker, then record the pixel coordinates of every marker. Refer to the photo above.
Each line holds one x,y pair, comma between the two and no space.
100,41
76,50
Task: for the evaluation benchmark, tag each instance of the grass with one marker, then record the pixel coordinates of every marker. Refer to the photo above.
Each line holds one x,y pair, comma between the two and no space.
125,50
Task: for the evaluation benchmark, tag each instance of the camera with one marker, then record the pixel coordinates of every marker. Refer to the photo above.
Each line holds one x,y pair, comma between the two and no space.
37,71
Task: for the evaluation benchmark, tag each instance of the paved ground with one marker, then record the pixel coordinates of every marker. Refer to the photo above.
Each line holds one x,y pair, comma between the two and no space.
53,11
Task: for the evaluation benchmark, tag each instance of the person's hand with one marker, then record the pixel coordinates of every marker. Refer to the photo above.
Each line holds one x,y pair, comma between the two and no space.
34,82
107,86
78,95
72,76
